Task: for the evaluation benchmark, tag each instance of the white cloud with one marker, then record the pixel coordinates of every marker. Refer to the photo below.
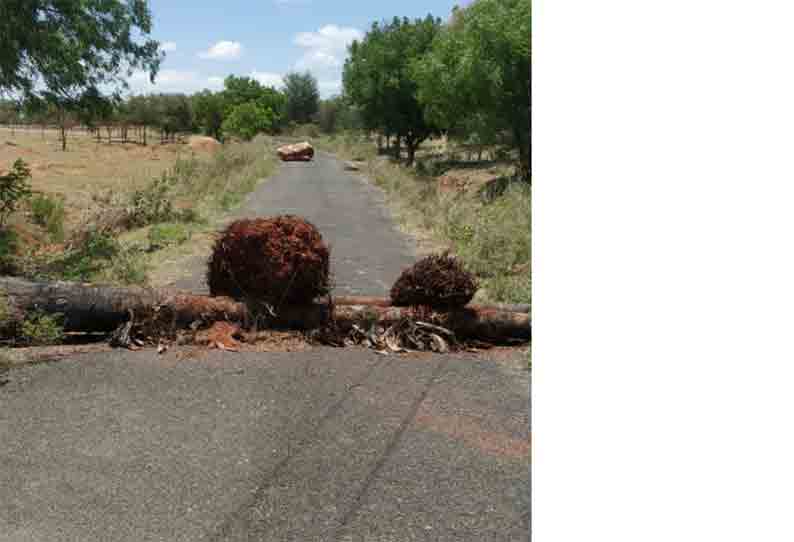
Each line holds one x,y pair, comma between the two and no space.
186,81
268,79
168,46
325,49
223,50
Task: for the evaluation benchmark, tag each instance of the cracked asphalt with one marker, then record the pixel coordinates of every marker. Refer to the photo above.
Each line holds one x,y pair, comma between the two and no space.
318,445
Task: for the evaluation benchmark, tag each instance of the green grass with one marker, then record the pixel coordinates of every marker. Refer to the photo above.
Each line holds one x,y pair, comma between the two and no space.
489,232
164,235
49,213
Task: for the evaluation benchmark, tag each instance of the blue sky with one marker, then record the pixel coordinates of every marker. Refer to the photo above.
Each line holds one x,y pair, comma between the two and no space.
207,40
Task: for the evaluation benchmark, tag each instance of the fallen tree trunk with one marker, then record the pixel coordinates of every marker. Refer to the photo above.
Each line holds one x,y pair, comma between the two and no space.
386,302
87,307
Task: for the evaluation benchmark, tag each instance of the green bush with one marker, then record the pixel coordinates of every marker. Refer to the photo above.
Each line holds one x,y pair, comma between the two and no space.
247,120
164,235
39,329
84,261
152,204
14,187
129,266
49,213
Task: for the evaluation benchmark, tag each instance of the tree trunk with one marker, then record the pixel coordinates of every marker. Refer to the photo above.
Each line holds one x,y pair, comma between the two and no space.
410,144
63,137
522,142
144,135
88,307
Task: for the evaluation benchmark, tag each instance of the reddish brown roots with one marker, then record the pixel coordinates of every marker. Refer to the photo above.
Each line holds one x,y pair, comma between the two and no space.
274,260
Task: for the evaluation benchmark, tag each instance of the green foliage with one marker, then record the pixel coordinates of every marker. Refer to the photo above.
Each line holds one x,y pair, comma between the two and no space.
99,255
87,259
164,235
377,78
173,112
476,78
127,267
208,112
303,96
337,114
9,245
243,90
143,110
14,187
247,120
41,329
68,47
152,204
49,213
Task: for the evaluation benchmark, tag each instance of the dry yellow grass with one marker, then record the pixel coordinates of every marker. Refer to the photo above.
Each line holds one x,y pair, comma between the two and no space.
87,167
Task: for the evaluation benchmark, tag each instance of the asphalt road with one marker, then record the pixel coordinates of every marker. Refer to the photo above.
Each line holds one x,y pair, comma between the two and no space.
318,445
368,252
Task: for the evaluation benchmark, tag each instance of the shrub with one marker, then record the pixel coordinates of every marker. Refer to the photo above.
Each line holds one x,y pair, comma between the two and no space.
164,235
14,186
84,261
48,213
128,266
39,328
152,204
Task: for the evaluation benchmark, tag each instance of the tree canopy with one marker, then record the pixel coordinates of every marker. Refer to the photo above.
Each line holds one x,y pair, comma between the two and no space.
477,75
377,78
65,48
303,96
248,119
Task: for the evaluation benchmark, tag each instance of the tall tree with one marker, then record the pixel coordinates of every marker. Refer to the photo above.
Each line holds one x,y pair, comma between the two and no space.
477,75
240,90
247,120
68,47
208,111
377,78
303,96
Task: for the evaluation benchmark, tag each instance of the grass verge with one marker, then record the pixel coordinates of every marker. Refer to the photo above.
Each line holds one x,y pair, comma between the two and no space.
129,234
488,228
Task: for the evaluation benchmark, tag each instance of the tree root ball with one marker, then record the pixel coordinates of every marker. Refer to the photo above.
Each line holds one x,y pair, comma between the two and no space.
437,281
274,260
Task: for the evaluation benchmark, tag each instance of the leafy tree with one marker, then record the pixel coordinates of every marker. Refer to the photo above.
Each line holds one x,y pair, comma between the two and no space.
303,96
142,111
240,90
248,119
67,47
377,78
477,75
208,110
14,187
9,112
173,113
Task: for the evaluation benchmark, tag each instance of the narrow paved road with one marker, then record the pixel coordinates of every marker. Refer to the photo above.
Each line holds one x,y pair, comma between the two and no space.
319,445
367,251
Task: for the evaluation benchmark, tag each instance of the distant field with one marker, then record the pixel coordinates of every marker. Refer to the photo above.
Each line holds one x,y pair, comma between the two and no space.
87,167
